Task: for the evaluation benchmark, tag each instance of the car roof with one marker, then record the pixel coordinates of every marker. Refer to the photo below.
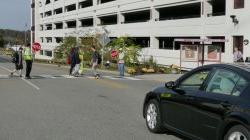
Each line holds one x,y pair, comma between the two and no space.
244,67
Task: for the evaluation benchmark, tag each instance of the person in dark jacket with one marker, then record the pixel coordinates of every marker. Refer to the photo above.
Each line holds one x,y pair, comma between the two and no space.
77,62
18,60
95,62
72,60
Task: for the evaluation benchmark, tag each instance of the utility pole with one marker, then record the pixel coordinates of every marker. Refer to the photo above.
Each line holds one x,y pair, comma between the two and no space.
25,36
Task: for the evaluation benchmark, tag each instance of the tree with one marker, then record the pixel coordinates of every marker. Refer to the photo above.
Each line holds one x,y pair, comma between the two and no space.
2,42
63,50
131,50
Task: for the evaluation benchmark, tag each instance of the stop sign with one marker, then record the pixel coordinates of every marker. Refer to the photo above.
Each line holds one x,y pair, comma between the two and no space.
36,47
114,53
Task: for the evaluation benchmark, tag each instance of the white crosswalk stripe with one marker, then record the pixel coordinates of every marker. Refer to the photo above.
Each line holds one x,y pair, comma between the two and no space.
4,76
44,76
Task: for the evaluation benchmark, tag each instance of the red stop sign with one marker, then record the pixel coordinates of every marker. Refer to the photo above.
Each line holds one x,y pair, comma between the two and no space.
36,47
114,53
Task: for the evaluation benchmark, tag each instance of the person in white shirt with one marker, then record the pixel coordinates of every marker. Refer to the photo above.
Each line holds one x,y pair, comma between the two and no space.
121,62
238,57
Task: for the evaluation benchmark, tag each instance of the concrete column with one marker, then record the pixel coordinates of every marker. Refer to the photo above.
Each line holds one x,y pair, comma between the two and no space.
155,14
154,42
65,26
121,18
78,23
95,2
53,40
97,21
207,8
53,26
228,49
77,5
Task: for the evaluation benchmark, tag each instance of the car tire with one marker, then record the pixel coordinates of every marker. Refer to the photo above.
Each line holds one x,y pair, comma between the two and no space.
237,132
153,117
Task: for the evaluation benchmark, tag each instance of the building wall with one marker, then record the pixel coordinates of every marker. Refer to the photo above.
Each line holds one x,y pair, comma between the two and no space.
202,27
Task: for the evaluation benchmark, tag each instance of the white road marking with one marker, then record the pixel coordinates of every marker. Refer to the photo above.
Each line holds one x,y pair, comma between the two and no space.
121,78
4,76
68,77
132,78
48,76
31,84
6,69
28,82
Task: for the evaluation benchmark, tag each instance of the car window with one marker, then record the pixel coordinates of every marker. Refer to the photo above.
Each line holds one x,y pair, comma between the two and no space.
226,82
240,86
195,81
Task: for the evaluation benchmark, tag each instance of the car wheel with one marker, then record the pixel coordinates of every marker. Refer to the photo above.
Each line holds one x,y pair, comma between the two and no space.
237,133
153,117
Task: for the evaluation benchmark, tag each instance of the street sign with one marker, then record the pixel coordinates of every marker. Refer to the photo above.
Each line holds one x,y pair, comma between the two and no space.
104,39
36,47
114,54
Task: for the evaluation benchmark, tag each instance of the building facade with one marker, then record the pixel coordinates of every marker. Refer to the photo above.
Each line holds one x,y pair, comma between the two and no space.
180,32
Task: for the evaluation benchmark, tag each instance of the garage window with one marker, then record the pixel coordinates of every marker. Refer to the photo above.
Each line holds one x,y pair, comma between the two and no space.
238,4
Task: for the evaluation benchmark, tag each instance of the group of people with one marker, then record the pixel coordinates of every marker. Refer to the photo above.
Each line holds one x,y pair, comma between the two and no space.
77,63
75,59
18,57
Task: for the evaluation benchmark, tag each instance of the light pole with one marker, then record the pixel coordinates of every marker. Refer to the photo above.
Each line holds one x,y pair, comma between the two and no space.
25,37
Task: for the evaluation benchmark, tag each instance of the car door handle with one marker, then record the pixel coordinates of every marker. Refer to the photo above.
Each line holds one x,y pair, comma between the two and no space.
225,104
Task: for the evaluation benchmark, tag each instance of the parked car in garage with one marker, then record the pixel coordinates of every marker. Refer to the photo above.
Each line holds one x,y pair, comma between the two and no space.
211,102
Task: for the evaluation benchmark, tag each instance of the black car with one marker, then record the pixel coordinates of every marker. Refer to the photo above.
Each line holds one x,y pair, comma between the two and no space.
209,103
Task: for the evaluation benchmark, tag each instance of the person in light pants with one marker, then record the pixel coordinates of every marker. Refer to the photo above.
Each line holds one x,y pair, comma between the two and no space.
94,62
18,63
121,65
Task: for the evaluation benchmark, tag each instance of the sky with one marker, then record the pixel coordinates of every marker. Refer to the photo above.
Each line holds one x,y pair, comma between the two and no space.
14,14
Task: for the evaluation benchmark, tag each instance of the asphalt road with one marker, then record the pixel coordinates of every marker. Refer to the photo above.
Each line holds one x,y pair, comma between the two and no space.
52,106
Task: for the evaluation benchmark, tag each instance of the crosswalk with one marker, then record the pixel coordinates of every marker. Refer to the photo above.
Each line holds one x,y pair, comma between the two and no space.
43,76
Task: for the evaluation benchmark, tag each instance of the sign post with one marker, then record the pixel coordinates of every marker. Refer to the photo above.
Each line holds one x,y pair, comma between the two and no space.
103,40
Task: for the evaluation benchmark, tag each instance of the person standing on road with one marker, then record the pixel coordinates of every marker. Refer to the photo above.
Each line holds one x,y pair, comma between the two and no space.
81,57
94,61
18,60
29,60
77,62
238,57
121,66
72,60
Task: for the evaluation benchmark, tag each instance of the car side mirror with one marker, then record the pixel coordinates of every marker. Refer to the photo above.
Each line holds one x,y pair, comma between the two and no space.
170,85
